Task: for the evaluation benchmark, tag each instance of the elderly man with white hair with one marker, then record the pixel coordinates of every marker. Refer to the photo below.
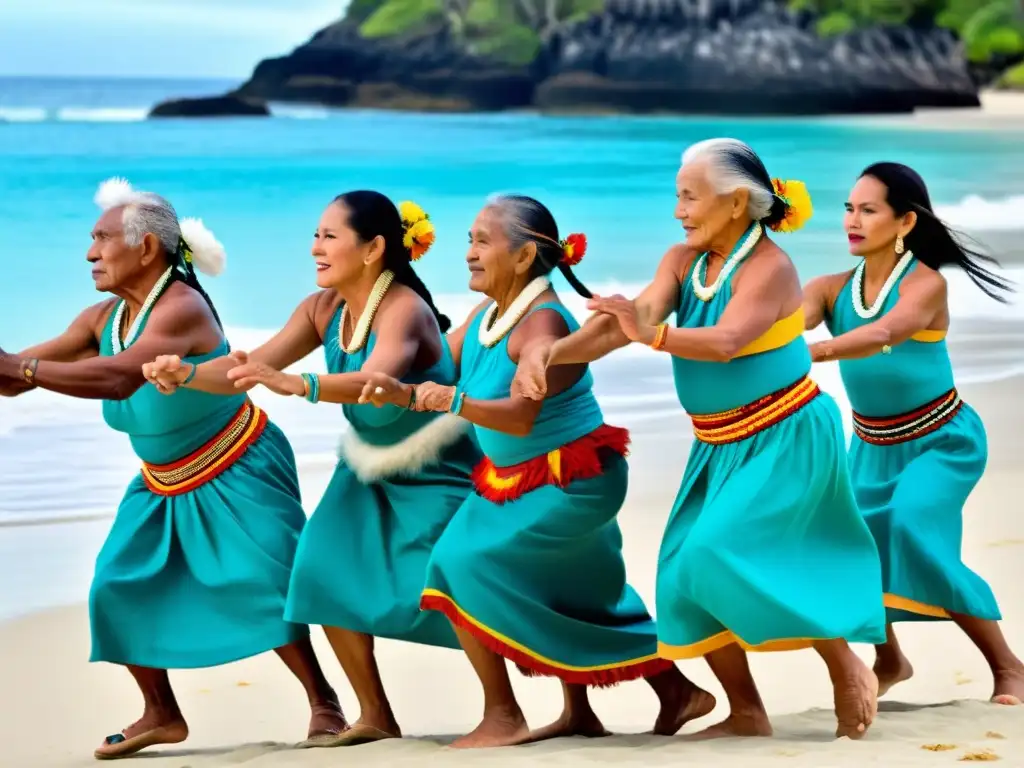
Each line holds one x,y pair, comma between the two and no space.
765,548
195,569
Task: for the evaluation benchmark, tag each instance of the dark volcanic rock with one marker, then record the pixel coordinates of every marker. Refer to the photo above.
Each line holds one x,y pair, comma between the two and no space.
683,56
212,106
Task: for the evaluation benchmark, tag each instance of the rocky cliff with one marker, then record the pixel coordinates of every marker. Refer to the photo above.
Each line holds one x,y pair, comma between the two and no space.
680,56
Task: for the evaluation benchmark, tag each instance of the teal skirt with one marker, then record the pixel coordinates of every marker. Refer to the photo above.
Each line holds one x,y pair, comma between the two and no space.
912,495
362,559
200,579
541,581
766,547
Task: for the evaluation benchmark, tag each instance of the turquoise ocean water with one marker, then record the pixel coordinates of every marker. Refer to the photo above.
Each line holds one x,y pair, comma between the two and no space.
260,185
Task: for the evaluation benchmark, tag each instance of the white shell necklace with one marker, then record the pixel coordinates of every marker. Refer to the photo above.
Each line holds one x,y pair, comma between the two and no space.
707,292
362,330
115,329
857,289
491,334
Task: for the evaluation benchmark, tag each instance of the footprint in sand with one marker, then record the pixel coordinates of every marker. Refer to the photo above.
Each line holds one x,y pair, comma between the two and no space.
243,684
994,735
984,756
1006,543
938,747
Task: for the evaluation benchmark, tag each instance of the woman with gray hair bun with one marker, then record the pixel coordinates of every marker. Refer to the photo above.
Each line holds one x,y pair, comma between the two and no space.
195,569
765,548
530,567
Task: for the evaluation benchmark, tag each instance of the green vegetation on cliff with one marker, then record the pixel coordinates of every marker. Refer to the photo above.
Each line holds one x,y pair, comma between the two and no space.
989,28
509,31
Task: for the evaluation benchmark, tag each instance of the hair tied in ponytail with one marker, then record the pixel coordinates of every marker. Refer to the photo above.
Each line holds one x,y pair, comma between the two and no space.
419,231
797,199
574,248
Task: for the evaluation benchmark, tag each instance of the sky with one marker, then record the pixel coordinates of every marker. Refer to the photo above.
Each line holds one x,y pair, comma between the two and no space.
154,38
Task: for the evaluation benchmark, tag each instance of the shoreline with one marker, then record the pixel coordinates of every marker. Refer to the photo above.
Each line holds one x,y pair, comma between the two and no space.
251,712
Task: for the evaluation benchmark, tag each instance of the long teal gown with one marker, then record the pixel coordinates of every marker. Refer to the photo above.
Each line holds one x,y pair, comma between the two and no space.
765,545
363,556
912,493
199,578
539,577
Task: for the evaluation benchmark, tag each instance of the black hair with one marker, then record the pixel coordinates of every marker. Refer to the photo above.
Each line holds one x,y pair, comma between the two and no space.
529,220
933,242
371,214
190,279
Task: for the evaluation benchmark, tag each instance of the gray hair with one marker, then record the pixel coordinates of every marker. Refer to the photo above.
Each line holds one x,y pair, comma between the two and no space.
525,220
151,214
733,165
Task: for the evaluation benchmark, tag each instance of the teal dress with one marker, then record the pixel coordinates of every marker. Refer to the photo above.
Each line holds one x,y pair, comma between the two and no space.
540,579
361,560
912,493
765,546
200,578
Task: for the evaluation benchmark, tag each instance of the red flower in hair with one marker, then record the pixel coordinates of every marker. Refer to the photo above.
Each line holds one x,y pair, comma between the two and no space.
574,248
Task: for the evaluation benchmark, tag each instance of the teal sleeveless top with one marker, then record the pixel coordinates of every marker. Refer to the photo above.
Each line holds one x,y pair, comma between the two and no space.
705,387
166,428
912,374
487,374
388,424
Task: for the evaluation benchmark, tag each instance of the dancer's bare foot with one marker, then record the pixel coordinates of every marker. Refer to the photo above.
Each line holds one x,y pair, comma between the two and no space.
152,729
687,702
738,724
326,721
855,693
1009,688
891,671
578,722
499,728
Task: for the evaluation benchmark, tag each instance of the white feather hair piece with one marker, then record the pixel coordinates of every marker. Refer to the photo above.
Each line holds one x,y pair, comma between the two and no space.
208,254
118,192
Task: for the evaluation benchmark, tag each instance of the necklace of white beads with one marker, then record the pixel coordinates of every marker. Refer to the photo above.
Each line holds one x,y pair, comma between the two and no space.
147,306
491,334
707,292
857,289
361,332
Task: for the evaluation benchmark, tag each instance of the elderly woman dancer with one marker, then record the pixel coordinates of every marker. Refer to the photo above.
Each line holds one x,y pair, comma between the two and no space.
195,569
765,548
362,557
918,450
530,569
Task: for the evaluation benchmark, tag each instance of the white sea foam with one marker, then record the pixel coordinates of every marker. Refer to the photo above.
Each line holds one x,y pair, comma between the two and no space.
980,214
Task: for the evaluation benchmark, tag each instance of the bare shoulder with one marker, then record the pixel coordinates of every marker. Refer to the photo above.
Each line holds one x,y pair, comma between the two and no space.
768,262
403,300
677,260
830,285
923,277
183,305
320,307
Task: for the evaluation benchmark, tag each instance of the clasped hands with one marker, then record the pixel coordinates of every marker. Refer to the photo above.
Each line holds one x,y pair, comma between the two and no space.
531,376
168,372
381,389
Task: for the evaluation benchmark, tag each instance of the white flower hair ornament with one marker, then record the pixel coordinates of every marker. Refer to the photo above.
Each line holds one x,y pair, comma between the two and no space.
201,249
198,248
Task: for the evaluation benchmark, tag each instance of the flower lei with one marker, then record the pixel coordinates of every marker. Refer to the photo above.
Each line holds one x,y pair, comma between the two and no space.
574,248
798,204
419,230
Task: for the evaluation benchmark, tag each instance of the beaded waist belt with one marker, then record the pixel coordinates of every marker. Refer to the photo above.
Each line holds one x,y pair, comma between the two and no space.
212,459
908,426
747,420
579,460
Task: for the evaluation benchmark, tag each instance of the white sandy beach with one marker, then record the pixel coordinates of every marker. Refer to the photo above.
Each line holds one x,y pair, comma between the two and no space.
999,111
57,707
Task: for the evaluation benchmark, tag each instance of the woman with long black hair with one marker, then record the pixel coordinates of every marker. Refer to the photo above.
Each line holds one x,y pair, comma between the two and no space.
918,450
362,557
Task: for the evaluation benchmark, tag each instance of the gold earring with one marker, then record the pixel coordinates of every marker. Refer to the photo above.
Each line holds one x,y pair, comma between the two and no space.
899,244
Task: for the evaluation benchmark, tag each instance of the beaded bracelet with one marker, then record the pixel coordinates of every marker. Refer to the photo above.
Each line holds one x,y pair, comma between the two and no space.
191,375
660,337
312,386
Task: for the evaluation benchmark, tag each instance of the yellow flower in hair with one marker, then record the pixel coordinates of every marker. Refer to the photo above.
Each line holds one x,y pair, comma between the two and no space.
418,238
799,208
411,213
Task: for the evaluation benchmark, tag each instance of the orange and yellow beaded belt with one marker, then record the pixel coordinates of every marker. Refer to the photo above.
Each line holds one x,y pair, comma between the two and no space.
212,459
908,426
747,420
581,459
